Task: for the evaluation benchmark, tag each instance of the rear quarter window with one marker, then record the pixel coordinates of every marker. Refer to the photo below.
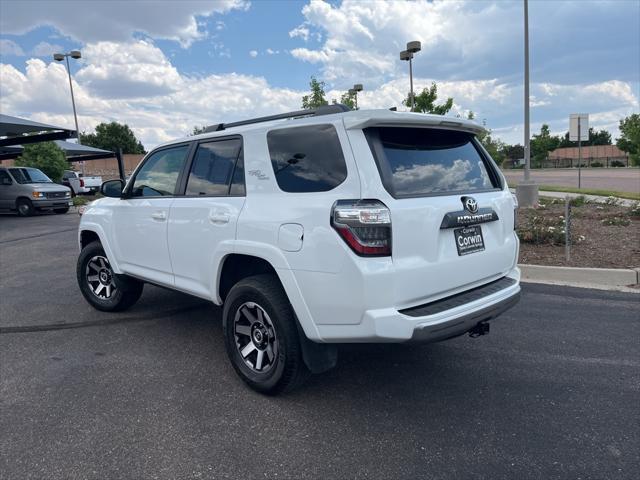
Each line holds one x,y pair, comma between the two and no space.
426,161
307,159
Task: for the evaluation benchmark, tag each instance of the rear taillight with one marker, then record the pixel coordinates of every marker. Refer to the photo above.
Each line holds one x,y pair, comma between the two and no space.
515,211
365,225
81,182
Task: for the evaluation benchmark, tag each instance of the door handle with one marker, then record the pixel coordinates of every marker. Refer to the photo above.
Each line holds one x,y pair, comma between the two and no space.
160,216
219,218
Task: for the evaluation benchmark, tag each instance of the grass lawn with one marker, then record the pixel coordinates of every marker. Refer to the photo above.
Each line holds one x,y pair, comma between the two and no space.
590,191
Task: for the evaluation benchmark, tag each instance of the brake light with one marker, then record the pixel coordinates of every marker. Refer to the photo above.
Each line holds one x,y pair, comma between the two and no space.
365,225
81,182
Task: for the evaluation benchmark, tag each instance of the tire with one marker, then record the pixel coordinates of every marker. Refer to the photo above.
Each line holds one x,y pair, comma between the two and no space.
61,210
269,312
24,207
103,289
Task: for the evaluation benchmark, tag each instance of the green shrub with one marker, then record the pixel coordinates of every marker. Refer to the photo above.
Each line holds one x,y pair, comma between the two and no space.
617,163
596,165
578,201
634,210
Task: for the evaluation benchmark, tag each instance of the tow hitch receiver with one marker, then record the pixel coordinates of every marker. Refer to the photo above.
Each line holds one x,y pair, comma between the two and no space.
481,328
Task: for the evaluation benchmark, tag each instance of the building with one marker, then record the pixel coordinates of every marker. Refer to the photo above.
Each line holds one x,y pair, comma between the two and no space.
107,168
597,156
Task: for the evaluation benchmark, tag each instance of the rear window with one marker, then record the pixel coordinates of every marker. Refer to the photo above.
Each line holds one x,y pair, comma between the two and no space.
421,161
307,159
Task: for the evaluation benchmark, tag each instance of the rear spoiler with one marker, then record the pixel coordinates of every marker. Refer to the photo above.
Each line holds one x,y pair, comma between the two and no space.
386,118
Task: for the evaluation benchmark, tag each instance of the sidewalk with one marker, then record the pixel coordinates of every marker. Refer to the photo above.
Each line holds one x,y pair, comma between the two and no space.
618,279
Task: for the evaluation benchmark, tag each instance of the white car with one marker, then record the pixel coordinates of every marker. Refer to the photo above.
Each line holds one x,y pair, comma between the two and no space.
313,228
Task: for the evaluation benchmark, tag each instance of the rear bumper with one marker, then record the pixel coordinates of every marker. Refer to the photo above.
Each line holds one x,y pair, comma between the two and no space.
460,325
438,320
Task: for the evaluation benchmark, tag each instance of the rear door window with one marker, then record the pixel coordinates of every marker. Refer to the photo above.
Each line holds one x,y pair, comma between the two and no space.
417,162
307,159
214,168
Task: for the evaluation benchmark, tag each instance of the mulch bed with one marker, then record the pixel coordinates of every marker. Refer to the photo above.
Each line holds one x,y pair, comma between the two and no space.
604,246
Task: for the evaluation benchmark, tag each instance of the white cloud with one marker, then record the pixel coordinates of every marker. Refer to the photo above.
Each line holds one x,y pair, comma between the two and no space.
46,49
300,31
135,69
10,48
272,52
135,83
115,20
253,53
167,106
469,40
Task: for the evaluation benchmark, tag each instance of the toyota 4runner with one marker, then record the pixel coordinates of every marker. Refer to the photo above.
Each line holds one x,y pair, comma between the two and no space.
313,228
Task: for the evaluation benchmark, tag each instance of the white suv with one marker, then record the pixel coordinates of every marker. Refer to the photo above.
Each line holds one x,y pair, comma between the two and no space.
313,228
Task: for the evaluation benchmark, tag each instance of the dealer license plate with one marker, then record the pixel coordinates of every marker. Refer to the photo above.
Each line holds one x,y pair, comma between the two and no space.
469,239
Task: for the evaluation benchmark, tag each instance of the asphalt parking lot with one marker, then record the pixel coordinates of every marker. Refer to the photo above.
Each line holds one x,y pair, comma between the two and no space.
617,179
552,392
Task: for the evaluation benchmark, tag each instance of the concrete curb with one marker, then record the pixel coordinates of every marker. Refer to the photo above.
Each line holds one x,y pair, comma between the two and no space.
603,278
623,202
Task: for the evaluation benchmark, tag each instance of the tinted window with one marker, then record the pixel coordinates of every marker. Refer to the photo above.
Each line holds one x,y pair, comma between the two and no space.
159,174
307,159
213,168
29,175
422,161
4,176
237,184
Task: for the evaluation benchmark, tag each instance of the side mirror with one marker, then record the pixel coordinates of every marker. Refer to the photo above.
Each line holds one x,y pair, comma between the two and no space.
112,188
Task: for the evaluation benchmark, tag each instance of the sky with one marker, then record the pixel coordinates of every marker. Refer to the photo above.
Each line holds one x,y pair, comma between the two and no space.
164,66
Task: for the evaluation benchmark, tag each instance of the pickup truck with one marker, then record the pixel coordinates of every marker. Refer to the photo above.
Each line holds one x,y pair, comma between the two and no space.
91,183
80,184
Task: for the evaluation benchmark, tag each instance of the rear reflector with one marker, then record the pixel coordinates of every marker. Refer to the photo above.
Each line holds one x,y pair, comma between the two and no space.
365,225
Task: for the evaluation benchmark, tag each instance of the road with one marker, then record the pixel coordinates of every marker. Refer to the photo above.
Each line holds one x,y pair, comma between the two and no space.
618,179
551,393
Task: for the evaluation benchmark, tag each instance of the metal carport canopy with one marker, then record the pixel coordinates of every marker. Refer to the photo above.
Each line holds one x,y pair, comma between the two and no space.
72,151
20,131
78,153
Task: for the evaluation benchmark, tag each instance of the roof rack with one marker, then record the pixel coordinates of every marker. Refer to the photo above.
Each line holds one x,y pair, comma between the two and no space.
309,112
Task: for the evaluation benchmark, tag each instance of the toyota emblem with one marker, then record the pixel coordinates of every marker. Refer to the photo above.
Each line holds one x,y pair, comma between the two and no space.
470,204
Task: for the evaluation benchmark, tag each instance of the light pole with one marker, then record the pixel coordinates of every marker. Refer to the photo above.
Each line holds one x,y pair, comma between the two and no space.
407,55
58,57
527,190
357,88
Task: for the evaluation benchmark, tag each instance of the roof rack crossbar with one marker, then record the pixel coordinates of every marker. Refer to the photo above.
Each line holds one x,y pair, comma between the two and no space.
309,112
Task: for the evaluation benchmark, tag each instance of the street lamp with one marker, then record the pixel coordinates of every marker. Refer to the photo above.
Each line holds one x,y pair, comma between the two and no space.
357,88
527,190
58,57
407,55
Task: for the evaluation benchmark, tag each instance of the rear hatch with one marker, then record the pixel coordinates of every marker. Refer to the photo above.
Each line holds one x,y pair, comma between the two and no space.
452,217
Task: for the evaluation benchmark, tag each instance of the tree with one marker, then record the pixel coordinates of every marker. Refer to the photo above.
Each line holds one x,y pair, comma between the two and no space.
426,101
542,144
513,152
198,130
111,136
317,96
629,140
349,99
601,137
45,156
